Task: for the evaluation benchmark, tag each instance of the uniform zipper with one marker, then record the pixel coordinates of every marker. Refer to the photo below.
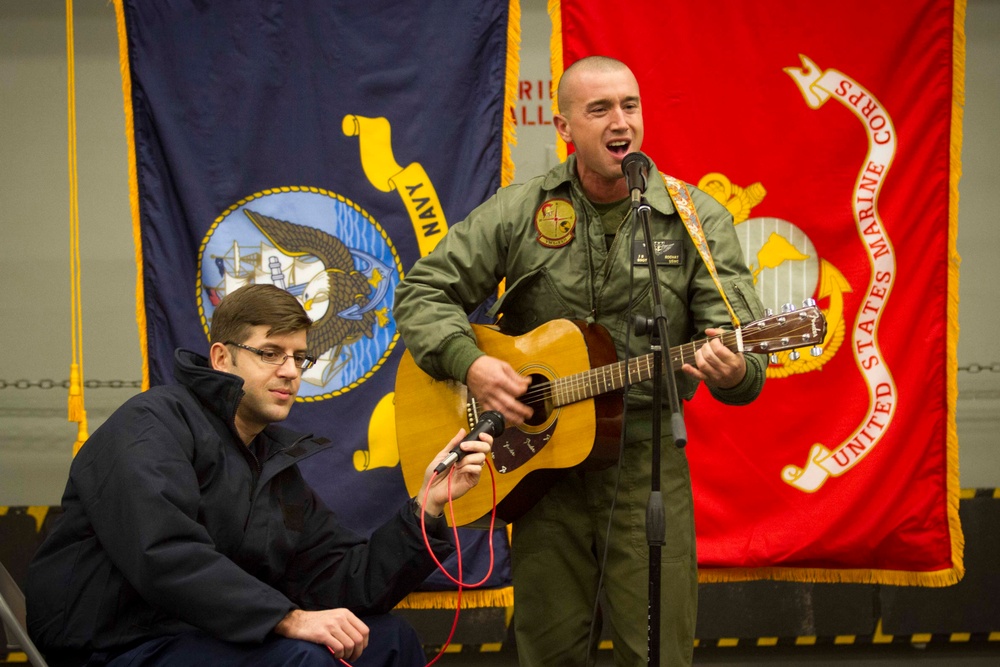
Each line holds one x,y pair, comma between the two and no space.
743,298
609,263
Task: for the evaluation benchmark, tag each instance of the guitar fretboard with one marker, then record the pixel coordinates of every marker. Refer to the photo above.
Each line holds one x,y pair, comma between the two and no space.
597,381
791,329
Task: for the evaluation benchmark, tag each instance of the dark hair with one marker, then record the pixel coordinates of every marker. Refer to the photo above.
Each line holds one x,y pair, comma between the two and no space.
256,305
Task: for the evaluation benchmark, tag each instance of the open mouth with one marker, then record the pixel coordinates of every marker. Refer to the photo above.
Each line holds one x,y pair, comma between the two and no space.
618,148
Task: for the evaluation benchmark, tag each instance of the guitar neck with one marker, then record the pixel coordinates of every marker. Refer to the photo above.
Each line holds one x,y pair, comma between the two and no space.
597,381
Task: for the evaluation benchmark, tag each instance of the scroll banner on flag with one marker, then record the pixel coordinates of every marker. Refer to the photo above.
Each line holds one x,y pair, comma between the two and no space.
832,132
322,147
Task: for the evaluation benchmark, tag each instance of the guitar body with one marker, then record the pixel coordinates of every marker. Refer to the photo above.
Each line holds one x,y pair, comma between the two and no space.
577,419
528,459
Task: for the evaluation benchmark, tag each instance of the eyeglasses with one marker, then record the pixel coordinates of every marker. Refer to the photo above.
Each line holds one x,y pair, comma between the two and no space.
275,358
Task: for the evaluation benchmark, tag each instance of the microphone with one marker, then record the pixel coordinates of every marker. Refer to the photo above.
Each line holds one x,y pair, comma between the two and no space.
635,166
490,422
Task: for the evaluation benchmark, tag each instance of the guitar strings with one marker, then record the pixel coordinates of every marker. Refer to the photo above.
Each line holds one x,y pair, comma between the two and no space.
579,384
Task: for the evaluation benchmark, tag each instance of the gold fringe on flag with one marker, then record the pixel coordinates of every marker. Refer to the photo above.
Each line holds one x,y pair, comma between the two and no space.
509,140
471,599
935,579
76,410
957,113
556,65
133,189
513,71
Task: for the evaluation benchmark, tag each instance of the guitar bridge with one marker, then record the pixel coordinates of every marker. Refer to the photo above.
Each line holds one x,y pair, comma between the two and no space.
472,415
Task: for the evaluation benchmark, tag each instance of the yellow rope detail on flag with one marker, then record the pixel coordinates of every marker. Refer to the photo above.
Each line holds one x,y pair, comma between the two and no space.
77,412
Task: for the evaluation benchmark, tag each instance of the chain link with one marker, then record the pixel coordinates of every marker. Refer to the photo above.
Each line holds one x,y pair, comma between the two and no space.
137,384
64,384
979,368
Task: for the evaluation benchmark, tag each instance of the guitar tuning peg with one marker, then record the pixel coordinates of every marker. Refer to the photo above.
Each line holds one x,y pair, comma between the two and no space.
787,308
794,355
809,303
816,351
772,358
768,312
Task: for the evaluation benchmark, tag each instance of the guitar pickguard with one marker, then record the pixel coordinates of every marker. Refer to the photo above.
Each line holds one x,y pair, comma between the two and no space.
518,445
515,447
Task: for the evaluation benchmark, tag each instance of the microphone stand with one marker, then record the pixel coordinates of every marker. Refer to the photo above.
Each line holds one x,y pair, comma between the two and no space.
656,328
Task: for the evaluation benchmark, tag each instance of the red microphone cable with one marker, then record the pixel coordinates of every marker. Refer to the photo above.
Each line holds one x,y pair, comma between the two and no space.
458,547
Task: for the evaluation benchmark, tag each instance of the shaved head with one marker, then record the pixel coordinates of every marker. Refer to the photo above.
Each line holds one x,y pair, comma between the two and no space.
566,91
600,113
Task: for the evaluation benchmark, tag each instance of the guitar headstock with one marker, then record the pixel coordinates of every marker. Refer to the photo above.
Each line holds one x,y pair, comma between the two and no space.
792,328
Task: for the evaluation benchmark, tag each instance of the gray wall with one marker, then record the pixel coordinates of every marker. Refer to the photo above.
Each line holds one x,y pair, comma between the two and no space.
36,440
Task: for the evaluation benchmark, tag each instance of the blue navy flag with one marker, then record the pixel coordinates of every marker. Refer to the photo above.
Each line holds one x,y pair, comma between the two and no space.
322,147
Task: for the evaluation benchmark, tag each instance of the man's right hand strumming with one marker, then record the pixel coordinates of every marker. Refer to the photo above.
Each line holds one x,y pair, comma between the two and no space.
497,386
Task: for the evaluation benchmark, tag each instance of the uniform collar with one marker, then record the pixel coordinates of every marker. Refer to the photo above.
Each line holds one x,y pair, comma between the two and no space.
656,191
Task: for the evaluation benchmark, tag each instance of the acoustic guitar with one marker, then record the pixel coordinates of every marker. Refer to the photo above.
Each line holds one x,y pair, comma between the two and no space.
577,414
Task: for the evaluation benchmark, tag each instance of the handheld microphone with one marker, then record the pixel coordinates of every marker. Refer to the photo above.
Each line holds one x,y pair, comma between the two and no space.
490,422
635,166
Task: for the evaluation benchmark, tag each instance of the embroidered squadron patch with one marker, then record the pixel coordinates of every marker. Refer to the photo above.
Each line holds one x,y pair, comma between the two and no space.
555,222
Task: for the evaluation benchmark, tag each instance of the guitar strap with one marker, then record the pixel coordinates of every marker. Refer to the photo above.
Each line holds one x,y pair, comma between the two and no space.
685,208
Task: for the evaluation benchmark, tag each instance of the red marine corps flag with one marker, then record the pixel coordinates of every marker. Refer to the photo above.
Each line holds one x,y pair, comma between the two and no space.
832,132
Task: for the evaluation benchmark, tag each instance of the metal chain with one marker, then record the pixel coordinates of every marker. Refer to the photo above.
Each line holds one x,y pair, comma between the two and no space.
979,368
88,384
137,384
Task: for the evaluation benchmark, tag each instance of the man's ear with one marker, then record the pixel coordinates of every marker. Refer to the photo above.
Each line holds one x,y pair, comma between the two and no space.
218,354
562,127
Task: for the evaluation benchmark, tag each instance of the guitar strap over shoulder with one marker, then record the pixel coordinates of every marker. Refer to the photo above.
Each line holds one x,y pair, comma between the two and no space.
685,208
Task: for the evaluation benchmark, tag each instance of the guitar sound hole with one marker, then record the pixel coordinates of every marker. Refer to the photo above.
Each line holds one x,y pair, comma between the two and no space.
540,400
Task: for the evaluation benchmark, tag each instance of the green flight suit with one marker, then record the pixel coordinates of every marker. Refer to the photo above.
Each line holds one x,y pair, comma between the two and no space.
547,240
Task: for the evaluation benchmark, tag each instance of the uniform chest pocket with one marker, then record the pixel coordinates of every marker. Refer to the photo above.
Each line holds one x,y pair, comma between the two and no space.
530,301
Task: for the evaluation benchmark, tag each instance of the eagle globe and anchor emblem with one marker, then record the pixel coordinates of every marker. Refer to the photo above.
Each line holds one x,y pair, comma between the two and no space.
786,269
